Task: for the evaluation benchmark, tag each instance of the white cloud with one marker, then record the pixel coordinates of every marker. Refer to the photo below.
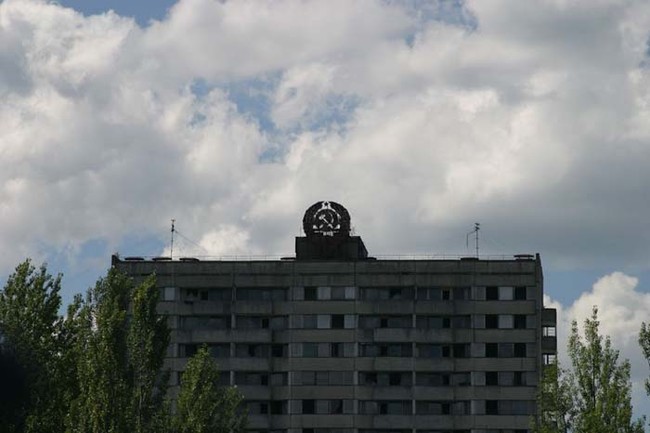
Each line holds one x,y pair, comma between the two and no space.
533,122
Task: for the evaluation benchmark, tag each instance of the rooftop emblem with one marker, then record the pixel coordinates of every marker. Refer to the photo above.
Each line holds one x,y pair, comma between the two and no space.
326,218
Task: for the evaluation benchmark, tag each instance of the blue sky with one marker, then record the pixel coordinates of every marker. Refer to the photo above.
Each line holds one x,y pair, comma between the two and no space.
421,117
142,12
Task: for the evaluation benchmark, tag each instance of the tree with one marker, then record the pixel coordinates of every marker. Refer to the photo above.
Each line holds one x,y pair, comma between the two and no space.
13,392
594,396
120,357
644,342
31,325
554,398
203,406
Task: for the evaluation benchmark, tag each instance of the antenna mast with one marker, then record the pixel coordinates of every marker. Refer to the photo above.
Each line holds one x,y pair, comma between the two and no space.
171,249
477,227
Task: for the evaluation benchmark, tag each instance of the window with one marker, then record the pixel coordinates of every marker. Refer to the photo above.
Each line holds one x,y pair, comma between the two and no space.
368,378
441,408
258,407
310,350
461,322
548,331
336,407
461,293
338,321
278,407
386,293
505,293
520,293
548,358
311,294
506,321
443,322
382,407
373,322
491,350
278,350
385,378
306,378
492,293
337,293
205,322
491,321
491,378
491,407
461,350
429,294
506,350
308,407
432,379
252,350
520,321
519,378
261,294
520,350
219,350
381,350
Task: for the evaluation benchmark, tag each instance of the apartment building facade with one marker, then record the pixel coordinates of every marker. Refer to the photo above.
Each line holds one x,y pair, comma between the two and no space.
335,341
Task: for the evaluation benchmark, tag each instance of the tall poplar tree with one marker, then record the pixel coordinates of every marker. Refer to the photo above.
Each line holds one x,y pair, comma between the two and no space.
594,395
203,406
120,347
644,342
31,327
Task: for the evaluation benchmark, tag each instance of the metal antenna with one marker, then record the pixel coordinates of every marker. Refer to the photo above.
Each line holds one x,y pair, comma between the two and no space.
171,249
477,227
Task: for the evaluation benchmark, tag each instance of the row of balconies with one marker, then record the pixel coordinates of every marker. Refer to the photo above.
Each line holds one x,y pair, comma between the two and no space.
423,422
388,393
346,307
366,364
357,335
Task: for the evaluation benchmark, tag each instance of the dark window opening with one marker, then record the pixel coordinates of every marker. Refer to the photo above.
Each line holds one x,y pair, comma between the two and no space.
492,293
491,350
311,294
491,378
308,406
520,350
520,321
491,407
520,293
338,321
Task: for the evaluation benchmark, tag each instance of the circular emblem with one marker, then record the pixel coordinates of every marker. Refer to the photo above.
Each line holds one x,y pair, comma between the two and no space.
326,218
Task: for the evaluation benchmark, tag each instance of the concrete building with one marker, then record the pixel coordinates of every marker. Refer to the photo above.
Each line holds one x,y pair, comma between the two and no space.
335,341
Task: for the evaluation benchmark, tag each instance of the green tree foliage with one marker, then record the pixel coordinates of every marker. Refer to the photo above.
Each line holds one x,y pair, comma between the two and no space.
13,392
100,368
554,396
119,359
203,406
31,326
644,342
594,396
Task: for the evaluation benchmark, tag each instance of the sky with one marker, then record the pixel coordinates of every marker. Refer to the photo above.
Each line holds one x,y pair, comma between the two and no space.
420,117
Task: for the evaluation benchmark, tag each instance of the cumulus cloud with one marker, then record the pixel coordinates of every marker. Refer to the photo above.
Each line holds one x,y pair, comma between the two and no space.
531,119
